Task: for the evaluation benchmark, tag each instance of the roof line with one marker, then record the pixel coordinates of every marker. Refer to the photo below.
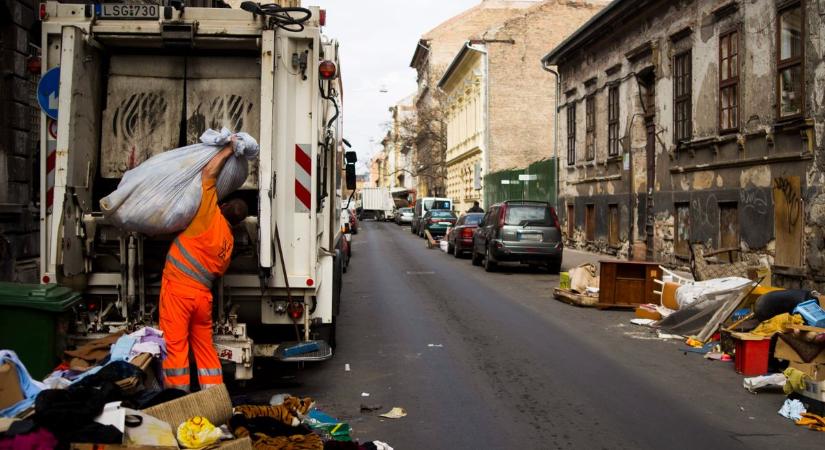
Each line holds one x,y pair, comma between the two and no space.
587,30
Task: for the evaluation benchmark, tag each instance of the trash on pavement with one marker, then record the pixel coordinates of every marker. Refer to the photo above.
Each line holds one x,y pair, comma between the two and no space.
813,314
642,322
572,298
198,432
582,277
777,324
17,388
752,353
370,408
812,421
328,426
764,382
365,394
395,413
796,380
792,409
648,311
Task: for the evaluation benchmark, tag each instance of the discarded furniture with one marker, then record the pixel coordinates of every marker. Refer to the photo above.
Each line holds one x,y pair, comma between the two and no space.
572,298
627,284
703,269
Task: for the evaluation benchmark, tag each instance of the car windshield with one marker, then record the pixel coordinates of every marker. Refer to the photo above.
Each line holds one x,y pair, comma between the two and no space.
406,210
436,204
473,219
442,215
528,214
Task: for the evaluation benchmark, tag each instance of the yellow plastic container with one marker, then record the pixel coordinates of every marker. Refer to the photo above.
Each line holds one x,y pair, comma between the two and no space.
564,280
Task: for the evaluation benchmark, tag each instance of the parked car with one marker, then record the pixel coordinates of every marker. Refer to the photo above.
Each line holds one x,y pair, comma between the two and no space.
520,231
353,220
460,237
436,222
424,204
404,216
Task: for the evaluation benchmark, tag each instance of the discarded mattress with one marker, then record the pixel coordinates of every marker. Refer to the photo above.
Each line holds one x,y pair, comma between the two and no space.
702,293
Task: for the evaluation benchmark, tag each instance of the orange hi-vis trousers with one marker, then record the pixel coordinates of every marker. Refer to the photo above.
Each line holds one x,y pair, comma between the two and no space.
186,319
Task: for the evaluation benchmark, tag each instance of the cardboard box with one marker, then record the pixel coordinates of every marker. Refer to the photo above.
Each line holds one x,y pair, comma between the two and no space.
10,392
785,352
814,390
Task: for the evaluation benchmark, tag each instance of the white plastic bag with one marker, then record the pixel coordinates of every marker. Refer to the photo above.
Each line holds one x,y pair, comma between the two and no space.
162,194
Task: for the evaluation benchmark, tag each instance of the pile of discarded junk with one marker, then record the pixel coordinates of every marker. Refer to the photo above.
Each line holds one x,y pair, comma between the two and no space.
108,394
726,311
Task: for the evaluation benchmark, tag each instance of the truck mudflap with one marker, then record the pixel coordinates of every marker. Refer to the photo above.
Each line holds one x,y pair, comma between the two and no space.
286,351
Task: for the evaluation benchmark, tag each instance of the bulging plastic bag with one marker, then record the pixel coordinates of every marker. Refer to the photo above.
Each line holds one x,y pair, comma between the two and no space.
162,195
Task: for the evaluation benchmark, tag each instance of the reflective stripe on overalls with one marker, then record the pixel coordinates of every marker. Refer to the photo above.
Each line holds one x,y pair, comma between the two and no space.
197,272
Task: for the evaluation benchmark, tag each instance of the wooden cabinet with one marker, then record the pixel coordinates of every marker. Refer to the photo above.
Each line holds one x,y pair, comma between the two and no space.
627,283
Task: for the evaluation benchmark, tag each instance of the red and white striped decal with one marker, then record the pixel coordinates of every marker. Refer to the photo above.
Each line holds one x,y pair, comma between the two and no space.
303,179
51,159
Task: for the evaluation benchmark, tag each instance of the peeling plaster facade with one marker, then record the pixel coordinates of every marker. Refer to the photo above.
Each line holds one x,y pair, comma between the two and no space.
752,181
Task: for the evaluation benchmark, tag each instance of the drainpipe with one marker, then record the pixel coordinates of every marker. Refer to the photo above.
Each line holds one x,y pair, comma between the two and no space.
486,121
555,128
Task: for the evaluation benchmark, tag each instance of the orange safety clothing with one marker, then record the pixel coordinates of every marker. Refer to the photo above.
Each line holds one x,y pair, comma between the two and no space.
199,255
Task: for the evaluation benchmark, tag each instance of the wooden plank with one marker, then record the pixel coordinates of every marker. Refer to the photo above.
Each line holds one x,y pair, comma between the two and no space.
788,221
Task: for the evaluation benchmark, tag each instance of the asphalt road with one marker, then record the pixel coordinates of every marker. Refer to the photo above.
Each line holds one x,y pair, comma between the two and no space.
491,361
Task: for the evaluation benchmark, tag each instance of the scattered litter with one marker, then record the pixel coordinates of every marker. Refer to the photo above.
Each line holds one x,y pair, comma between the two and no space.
370,408
718,356
642,322
435,345
346,367
792,409
278,399
381,445
365,394
662,335
198,432
591,290
776,380
395,413
694,343
703,350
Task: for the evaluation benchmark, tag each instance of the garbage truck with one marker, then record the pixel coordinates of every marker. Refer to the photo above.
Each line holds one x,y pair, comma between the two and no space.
376,203
130,81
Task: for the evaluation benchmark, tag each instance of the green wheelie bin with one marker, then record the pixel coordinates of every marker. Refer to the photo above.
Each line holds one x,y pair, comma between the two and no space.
34,319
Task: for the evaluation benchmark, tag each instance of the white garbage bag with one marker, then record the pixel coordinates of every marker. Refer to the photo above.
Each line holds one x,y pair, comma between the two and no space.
704,293
162,194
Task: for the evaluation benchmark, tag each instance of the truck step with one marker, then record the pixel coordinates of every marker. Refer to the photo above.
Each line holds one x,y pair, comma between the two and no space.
303,351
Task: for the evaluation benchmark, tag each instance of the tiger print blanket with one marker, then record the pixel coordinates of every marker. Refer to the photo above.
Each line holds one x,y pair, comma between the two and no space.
281,421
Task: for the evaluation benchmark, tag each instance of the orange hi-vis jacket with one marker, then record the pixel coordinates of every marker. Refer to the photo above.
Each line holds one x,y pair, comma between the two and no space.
199,255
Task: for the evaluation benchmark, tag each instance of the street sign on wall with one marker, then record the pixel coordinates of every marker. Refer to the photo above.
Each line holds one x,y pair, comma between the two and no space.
48,90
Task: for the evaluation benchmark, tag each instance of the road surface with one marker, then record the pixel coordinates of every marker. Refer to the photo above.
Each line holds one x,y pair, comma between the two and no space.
491,361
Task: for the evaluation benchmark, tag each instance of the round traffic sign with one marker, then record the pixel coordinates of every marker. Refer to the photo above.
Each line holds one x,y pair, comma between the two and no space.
48,90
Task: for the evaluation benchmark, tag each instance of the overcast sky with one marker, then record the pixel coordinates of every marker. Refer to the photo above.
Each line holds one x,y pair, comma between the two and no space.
378,38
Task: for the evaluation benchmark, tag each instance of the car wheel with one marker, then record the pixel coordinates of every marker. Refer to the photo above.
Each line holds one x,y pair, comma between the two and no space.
489,264
450,248
457,251
554,266
476,258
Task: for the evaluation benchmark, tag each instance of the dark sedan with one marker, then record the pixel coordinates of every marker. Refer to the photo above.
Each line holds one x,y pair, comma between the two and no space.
460,237
437,222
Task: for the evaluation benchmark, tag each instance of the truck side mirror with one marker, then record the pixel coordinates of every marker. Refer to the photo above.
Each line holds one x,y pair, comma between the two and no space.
351,157
350,169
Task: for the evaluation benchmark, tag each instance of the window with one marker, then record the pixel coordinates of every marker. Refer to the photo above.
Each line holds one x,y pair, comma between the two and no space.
571,221
571,134
682,92
728,226
729,81
613,121
682,239
590,128
790,61
590,222
613,225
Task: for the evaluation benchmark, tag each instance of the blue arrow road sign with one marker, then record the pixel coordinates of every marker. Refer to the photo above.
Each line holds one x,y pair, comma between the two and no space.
47,92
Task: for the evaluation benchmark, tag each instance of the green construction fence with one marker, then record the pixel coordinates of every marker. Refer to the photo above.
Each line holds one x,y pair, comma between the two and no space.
535,182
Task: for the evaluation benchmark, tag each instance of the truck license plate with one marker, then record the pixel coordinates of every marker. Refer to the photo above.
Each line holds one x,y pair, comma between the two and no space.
132,12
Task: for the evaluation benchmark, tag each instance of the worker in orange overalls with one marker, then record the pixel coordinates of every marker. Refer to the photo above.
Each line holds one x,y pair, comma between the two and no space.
199,255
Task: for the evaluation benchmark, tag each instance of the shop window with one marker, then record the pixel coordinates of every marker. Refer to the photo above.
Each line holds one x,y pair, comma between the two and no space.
729,81
790,54
613,220
728,226
613,121
590,222
681,244
682,92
